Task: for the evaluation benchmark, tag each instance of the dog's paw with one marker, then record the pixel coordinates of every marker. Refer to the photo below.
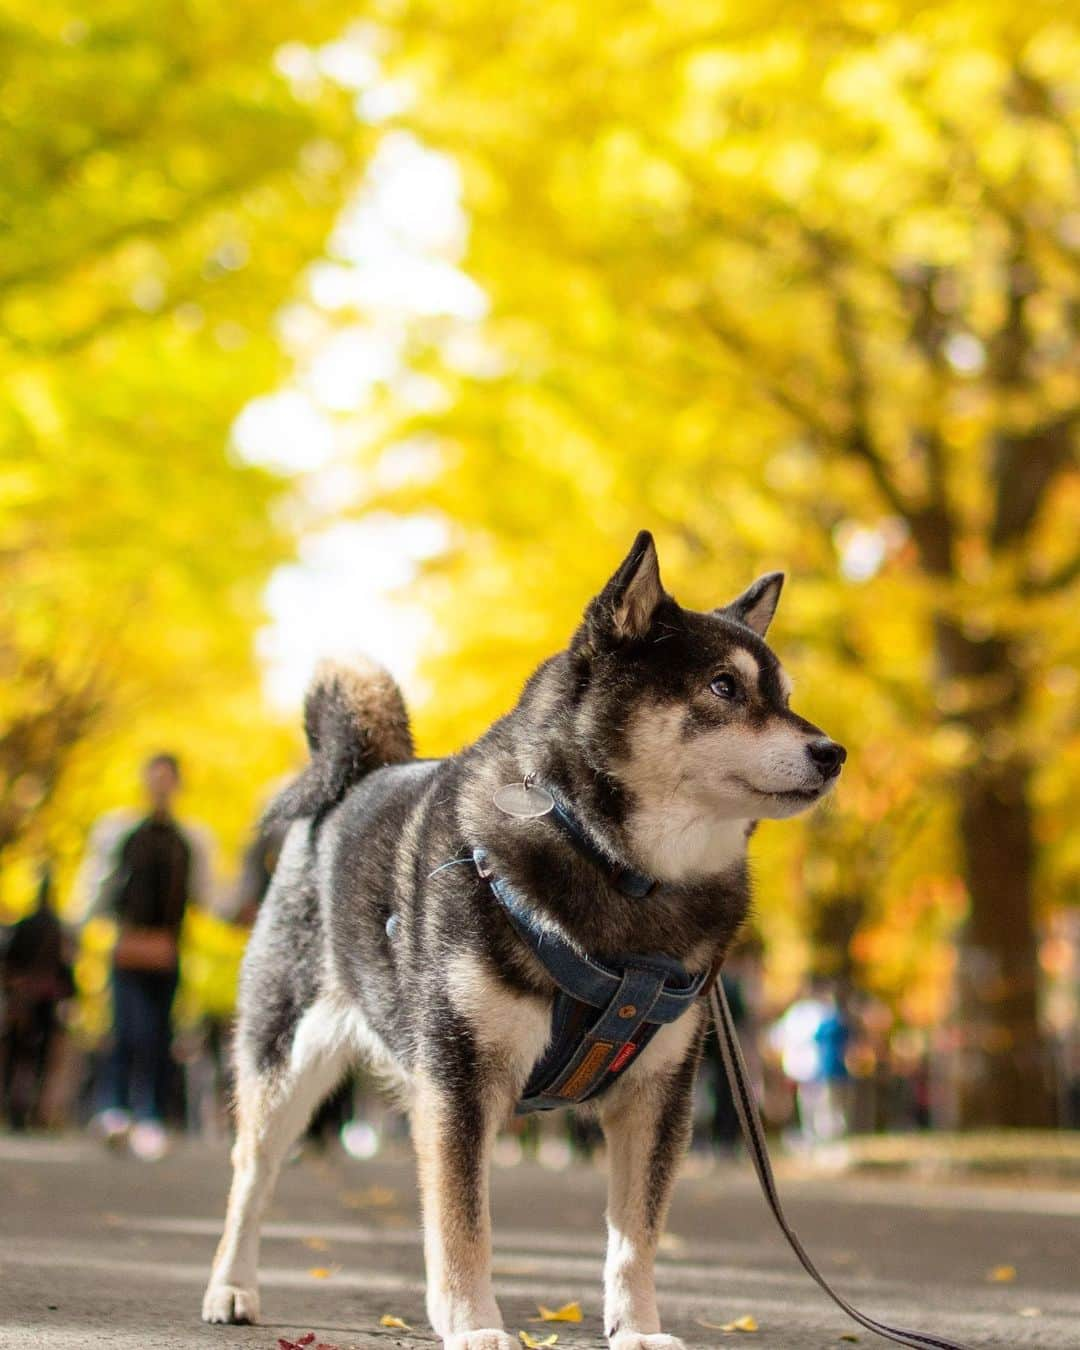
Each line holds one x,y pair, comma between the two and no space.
479,1340
638,1340
230,1303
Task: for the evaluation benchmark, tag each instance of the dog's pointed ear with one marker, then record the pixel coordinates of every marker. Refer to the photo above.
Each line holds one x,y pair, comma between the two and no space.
625,608
757,604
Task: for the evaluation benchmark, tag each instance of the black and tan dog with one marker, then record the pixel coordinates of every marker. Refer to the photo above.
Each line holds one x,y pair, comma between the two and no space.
663,735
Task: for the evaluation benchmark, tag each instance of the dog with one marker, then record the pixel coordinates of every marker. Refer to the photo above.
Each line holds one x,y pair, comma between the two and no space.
412,911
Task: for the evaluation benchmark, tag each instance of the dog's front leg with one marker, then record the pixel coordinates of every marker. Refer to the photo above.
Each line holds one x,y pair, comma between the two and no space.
454,1122
647,1126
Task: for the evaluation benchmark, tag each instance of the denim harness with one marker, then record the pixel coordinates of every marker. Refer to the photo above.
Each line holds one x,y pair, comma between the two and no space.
604,1013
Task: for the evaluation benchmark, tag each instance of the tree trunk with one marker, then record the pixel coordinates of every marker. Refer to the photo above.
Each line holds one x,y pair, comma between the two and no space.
1001,1067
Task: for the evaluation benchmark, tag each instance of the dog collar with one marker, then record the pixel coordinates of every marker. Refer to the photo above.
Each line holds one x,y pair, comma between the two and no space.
636,885
604,1013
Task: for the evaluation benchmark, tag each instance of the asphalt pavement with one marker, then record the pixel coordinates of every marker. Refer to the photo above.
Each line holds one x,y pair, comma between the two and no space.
101,1251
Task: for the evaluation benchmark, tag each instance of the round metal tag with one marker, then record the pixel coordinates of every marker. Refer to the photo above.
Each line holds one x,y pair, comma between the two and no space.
523,801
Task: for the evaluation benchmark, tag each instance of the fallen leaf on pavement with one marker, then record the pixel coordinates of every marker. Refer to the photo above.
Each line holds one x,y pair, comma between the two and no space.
536,1343
849,1336
316,1244
569,1312
744,1323
1002,1274
323,1272
389,1320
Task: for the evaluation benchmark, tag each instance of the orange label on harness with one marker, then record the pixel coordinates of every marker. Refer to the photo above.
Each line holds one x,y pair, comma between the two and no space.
586,1071
620,1059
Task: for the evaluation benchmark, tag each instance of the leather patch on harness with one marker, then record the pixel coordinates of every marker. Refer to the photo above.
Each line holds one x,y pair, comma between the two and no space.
586,1071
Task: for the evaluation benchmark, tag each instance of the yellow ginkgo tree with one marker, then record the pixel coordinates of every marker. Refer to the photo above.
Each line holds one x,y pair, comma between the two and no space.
795,287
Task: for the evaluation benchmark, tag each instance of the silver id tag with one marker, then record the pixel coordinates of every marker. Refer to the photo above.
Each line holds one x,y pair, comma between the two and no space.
523,801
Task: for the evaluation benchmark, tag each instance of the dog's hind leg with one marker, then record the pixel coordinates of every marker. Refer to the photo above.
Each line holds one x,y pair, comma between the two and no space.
272,1108
454,1126
647,1126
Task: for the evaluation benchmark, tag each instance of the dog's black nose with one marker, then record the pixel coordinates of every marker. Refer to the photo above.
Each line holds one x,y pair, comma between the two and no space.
827,756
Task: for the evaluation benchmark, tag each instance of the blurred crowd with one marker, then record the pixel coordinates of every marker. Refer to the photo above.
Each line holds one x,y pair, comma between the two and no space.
833,1061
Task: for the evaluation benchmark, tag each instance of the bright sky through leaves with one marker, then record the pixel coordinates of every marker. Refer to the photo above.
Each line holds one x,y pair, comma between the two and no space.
393,256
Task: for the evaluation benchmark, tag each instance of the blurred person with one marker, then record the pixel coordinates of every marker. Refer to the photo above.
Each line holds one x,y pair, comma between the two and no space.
143,872
829,1090
812,1039
37,979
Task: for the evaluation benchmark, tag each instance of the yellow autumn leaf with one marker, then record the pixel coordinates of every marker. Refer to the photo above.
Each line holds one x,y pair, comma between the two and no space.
389,1320
569,1312
536,1343
1002,1274
746,1323
316,1244
323,1272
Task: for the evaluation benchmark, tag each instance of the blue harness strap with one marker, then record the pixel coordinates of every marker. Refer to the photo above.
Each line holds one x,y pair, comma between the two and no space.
604,1013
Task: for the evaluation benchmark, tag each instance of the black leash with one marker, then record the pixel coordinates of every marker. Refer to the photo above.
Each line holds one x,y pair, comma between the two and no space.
754,1135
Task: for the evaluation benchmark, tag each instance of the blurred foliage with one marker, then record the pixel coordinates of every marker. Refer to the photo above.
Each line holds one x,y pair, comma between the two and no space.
796,288
166,172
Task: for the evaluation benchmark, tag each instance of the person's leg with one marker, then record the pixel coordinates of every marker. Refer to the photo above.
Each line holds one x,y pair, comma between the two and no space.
14,1055
144,1045
152,1063
162,993
114,1092
44,1021
809,1099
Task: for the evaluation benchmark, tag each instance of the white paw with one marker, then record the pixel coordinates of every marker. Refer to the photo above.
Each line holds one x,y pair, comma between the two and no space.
230,1303
479,1340
638,1340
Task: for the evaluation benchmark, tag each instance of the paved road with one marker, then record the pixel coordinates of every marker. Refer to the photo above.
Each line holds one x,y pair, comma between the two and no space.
101,1251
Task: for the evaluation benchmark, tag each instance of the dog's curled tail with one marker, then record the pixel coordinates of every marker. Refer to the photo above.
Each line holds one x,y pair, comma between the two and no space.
356,721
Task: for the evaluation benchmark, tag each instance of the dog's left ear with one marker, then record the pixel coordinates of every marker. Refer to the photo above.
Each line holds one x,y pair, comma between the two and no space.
757,604
624,609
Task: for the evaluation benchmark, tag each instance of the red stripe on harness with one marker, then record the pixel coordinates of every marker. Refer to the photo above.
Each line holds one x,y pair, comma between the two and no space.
620,1060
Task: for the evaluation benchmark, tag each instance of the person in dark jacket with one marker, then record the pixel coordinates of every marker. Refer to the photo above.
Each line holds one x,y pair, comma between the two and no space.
36,980
144,874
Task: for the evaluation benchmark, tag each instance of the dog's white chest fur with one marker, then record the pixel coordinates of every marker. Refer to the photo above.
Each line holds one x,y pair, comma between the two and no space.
685,840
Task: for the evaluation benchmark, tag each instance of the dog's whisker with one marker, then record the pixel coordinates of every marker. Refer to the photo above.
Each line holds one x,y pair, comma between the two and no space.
454,862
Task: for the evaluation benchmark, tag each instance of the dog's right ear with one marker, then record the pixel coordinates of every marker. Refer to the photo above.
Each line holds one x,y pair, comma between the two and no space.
624,609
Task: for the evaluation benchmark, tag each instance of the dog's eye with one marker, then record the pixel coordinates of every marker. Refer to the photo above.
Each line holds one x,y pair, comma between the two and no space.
724,686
